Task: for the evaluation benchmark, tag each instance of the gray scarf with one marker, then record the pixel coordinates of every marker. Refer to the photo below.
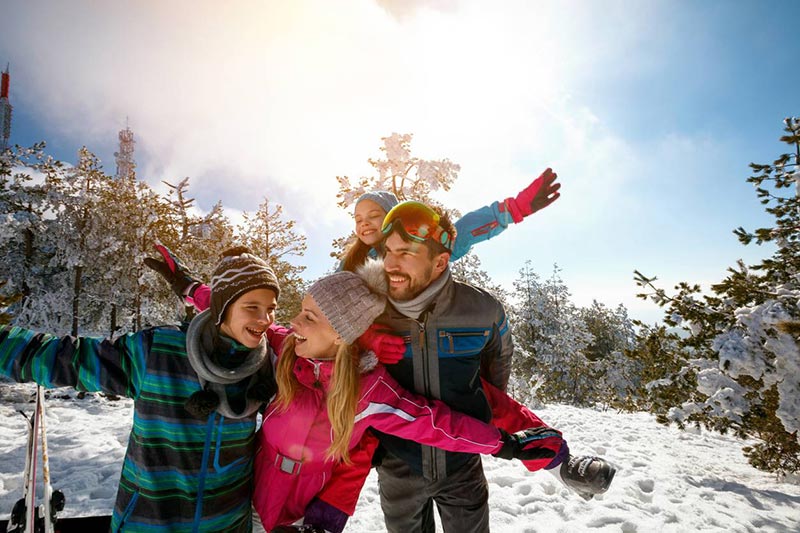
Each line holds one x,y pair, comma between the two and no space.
414,308
200,344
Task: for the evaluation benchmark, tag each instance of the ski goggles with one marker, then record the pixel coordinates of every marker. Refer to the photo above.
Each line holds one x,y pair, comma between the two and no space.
419,222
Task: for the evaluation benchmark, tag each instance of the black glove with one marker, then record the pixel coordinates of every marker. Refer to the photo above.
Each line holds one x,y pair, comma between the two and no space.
171,269
528,444
298,529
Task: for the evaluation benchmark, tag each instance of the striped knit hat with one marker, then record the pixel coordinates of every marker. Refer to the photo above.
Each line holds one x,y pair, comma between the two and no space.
237,272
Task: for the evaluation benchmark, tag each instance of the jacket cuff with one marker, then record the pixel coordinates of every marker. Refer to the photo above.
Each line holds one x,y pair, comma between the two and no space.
513,208
322,514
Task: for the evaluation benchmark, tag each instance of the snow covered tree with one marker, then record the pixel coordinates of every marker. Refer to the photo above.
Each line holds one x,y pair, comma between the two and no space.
659,378
26,248
570,354
550,340
407,176
745,361
270,236
135,217
612,337
80,231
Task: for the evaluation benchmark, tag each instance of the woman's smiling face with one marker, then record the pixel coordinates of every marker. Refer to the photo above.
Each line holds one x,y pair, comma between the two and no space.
315,338
249,316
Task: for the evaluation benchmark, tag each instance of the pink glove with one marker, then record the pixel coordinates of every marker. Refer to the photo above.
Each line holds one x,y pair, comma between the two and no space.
538,195
389,348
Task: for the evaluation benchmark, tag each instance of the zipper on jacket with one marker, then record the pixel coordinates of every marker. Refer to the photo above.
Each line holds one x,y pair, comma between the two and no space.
317,365
450,334
426,379
201,485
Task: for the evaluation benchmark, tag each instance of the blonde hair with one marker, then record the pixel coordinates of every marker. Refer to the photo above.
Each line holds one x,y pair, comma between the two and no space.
341,398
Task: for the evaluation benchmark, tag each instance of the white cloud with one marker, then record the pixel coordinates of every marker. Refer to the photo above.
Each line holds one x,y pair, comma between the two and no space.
274,98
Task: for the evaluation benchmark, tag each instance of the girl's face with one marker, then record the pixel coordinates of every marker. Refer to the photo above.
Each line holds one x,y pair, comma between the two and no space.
249,316
314,336
369,218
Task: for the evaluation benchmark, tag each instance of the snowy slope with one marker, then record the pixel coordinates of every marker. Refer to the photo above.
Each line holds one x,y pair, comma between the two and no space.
669,481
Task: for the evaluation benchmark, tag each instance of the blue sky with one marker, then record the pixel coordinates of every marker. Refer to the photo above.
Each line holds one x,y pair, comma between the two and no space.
649,112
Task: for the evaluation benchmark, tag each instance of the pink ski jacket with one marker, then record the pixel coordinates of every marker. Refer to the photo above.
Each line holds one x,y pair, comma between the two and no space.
291,467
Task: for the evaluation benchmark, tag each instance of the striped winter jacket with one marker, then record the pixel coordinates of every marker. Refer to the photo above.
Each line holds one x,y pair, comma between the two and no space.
180,474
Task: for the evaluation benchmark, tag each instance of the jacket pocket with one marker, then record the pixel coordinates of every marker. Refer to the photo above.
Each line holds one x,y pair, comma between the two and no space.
462,341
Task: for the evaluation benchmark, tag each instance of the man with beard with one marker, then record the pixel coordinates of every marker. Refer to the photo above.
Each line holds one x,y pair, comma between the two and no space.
455,335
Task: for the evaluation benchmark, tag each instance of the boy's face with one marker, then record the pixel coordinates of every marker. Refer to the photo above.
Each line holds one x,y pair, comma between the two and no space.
249,316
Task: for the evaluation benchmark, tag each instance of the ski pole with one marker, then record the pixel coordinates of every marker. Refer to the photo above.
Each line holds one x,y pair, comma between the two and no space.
16,523
48,489
30,482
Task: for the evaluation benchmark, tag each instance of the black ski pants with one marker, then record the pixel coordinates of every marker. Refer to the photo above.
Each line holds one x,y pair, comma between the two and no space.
407,498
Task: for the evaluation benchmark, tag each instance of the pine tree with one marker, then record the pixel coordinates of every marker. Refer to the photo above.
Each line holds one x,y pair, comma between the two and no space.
612,336
33,281
745,364
270,236
550,340
135,217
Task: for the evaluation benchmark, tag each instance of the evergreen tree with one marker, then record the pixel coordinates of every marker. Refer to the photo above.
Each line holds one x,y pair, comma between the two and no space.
135,217
612,337
22,204
80,233
744,361
658,375
270,236
551,340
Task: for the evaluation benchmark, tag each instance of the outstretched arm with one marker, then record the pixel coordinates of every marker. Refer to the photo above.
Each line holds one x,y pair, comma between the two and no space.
84,363
489,221
511,416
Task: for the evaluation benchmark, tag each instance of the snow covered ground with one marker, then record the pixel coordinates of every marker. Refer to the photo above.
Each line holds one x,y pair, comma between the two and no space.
668,480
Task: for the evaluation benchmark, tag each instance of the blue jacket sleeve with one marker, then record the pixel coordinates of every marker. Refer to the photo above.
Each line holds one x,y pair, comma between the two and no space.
85,363
478,226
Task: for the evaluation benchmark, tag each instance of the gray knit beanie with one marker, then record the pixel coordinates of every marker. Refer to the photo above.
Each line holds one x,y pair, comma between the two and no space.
351,301
385,199
237,272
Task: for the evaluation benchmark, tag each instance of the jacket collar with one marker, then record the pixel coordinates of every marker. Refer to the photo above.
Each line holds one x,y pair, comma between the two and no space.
318,373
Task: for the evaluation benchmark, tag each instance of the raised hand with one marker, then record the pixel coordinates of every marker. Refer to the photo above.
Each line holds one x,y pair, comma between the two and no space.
542,192
179,277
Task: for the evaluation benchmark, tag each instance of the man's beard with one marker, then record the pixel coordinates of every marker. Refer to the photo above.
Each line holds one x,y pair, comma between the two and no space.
413,288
